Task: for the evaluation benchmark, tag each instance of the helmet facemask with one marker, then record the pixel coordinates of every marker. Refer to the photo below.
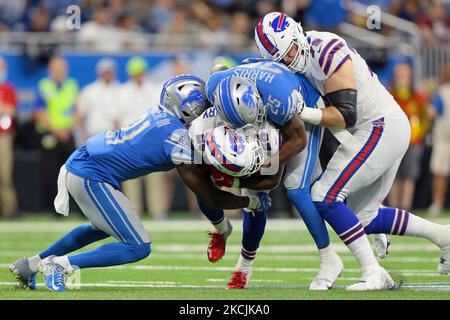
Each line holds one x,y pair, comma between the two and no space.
300,61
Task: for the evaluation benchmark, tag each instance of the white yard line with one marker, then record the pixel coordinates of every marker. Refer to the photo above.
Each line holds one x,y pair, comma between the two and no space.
158,226
431,287
277,249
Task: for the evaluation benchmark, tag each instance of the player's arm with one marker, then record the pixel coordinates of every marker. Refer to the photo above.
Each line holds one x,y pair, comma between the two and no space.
294,139
341,97
199,182
255,182
262,182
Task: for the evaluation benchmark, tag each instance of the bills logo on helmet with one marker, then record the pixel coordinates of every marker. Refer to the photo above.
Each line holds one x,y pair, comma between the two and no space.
280,23
236,143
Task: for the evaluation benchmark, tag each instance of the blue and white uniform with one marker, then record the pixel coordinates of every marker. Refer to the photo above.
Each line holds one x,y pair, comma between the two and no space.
152,143
278,89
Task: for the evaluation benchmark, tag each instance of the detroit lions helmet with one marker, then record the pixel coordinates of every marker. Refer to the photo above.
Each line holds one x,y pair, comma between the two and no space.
238,102
234,151
184,96
276,34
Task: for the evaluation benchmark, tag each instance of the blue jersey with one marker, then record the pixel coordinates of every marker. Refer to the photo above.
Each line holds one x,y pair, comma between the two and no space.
276,86
154,142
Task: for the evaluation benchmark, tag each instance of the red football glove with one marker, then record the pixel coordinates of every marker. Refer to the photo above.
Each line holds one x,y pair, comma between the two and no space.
222,179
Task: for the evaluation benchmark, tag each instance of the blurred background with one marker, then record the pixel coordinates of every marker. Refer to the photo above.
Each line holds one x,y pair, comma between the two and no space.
71,68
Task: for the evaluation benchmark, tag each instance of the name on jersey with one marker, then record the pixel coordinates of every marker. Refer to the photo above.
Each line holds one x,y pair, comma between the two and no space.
211,112
254,74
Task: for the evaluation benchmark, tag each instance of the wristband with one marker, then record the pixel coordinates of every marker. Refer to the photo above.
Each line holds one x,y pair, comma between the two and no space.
311,115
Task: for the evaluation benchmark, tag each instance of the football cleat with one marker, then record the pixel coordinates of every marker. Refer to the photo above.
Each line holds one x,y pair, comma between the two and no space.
216,248
444,262
329,271
239,280
54,274
382,243
23,274
373,277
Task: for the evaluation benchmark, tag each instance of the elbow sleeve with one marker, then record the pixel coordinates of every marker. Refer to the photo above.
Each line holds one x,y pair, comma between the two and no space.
345,102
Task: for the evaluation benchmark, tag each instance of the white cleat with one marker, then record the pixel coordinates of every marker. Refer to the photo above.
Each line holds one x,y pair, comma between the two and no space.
373,278
382,243
444,262
329,271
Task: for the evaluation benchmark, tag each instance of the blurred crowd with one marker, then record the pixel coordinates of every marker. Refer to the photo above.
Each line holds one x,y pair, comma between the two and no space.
114,25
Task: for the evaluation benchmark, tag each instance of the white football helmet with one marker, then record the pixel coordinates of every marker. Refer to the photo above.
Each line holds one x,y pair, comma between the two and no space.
238,102
234,151
276,34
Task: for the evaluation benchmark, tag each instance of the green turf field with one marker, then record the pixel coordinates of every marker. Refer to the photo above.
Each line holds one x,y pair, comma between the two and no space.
178,268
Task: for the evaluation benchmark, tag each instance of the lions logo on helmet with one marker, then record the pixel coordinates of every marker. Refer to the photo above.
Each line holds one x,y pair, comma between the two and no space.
238,102
233,152
185,97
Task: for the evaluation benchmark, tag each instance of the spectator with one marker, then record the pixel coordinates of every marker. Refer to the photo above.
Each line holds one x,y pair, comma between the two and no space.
8,104
136,97
435,25
100,34
98,101
440,157
415,105
55,118
324,15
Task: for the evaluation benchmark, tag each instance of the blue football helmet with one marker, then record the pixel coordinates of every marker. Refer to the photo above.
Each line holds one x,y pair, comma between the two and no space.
184,96
238,102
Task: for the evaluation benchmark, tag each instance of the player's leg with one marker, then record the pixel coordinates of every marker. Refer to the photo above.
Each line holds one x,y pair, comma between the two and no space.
223,228
110,211
385,220
300,171
353,168
253,224
253,230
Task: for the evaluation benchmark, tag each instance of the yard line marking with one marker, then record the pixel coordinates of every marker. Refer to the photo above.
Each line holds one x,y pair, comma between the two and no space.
432,287
405,272
236,248
253,280
57,226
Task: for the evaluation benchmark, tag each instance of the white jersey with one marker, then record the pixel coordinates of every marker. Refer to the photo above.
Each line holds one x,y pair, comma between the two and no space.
328,53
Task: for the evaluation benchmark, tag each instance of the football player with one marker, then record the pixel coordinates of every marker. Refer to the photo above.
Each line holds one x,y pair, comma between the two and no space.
360,173
232,159
92,176
254,93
